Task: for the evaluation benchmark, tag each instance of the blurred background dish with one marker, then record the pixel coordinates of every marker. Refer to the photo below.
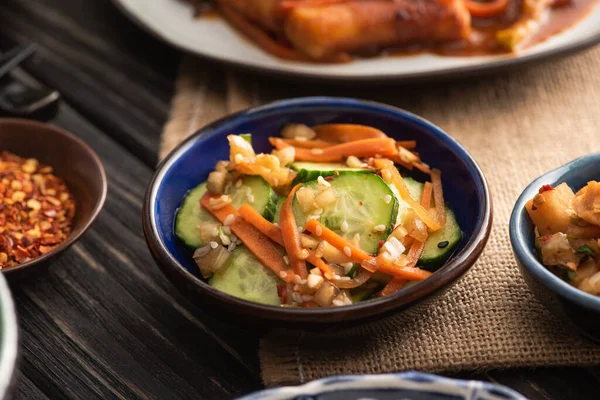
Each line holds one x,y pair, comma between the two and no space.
405,385
215,39
567,302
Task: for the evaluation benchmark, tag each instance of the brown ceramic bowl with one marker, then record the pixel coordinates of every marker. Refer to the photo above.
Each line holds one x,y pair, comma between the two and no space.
72,160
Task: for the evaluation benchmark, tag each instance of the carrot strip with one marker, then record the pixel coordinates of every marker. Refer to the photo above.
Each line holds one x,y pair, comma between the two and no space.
358,148
407,144
422,167
259,244
398,181
393,286
356,254
306,144
260,223
486,9
290,234
343,133
438,194
408,273
397,160
416,248
274,233
260,37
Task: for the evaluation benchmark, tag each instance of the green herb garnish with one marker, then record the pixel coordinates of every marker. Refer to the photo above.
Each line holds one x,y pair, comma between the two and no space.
586,249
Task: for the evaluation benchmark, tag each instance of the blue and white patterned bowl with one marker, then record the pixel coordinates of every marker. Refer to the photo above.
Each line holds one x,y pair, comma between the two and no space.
400,386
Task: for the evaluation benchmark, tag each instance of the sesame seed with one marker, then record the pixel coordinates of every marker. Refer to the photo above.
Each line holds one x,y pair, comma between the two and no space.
380,228
302,254
231,247
316,271
348,251
306,297
283,274
297,279
336,277
213,245
338,303
229,220
344,278
225,240
286,260
318,211
226,230
387,199
233,238
344,226
318,231
301,138
238,183
317,151
276,224
300,229
297,297
321,181
215,232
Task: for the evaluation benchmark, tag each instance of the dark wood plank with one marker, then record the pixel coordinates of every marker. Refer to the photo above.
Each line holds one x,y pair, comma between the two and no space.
104,322
114,74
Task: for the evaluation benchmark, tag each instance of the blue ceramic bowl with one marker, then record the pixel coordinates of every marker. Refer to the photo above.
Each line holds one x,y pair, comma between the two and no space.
189,164
406,385
571,304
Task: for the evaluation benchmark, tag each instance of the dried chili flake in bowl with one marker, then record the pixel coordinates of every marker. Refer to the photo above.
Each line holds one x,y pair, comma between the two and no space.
36,209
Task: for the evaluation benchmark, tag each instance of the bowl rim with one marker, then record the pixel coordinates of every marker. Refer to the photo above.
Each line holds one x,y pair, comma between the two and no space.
9,347
99,201
523,250
459,264
408,380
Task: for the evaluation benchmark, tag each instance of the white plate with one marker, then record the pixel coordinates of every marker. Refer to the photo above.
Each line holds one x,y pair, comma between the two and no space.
213,38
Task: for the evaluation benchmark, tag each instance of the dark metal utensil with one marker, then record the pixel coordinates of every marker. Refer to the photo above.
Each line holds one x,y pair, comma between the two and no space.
20,94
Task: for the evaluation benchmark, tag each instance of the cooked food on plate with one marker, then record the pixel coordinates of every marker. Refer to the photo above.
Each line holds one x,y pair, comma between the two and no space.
325,219
568,233
338,30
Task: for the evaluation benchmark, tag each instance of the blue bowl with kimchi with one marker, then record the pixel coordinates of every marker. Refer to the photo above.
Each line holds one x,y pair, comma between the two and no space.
578,308
465,189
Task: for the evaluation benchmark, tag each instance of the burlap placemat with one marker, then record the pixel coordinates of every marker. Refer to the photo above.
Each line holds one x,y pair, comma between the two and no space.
517,126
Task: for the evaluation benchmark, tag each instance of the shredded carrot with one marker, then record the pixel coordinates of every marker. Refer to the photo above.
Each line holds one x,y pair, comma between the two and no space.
260,223
438,195
290,234
356,254
274,233
359,148
422,167
393,286
260,37
343,133
416,247
259,244
397,160
398,181
306,144
486,9
408,273
407,144
289,5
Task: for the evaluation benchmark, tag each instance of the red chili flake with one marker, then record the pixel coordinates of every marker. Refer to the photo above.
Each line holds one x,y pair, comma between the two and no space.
36,209
545,188
329,178
381,243
336,173
360,203
545,238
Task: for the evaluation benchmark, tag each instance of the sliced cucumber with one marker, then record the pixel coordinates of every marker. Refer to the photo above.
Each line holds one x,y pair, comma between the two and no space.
245,277
278,208
416,190
247,137
191,214
361,202
441,244
308,171
258,194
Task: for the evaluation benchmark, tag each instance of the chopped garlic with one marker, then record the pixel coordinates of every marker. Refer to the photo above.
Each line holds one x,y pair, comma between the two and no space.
314,281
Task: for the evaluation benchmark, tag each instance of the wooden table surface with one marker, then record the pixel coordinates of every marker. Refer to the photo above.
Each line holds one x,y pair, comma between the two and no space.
103,322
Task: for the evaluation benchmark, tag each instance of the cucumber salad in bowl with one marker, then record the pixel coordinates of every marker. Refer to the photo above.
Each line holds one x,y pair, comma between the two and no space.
330,217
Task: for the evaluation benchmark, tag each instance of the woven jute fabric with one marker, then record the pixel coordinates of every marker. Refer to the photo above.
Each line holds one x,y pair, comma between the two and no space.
517,125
